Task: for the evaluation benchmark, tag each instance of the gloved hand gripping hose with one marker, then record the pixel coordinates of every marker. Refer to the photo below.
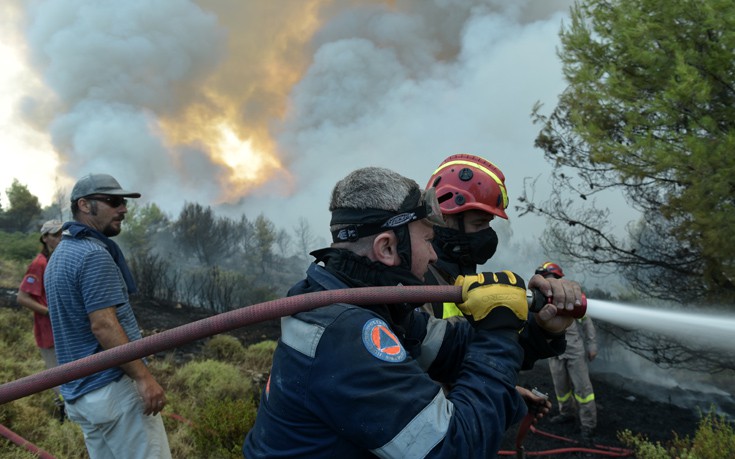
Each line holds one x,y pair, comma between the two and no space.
494,300
537,300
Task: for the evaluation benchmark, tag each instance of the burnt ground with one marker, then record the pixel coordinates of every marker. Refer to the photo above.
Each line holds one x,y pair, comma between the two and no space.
619,408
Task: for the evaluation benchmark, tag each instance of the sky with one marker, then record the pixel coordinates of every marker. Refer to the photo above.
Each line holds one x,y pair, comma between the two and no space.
261,107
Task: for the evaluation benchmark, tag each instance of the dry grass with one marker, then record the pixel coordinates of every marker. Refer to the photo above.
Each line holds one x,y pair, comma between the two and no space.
11,273
216,398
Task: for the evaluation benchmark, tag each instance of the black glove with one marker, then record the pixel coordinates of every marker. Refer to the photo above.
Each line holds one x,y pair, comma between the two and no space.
494,300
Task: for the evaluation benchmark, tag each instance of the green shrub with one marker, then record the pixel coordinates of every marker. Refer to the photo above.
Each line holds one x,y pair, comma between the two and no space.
224,347
258,357
221,426
714,439
17,330
64,440
180,439
216,400
201,381
642,447
19,246
11,272
12,451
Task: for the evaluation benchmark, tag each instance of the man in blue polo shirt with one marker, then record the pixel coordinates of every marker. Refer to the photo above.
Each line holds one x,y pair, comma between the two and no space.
87,285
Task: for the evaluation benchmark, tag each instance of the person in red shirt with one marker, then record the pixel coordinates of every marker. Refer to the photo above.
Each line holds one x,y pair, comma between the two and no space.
32,295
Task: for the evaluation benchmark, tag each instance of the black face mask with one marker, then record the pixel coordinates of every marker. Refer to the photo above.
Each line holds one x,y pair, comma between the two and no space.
466,250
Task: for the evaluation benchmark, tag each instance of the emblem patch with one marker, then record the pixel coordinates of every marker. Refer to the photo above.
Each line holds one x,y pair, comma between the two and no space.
381,342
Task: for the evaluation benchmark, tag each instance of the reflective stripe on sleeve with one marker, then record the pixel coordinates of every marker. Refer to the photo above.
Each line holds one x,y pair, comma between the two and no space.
301,336
435,330
424,431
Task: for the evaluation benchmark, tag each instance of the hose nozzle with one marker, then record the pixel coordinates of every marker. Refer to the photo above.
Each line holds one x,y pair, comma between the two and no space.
537,300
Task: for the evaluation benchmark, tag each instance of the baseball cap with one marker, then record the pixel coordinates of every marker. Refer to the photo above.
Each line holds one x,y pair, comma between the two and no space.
51,227
99,184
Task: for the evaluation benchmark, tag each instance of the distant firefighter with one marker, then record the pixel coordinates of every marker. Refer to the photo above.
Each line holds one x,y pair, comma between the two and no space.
570,372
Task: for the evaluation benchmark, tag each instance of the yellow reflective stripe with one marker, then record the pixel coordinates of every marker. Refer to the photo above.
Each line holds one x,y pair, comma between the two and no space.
485,170
564,398
450,310
586,399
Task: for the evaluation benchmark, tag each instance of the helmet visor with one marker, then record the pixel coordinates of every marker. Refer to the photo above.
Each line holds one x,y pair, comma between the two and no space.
433,210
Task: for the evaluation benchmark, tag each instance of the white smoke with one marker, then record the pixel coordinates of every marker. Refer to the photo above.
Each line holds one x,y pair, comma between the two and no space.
116,68
405,87
401,85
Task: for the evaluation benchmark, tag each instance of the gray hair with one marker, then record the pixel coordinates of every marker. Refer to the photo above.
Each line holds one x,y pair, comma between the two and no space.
373,188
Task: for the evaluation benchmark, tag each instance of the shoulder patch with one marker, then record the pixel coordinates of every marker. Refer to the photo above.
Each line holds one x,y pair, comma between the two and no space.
30,280
381,342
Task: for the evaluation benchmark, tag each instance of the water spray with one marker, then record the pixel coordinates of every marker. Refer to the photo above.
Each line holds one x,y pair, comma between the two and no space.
693,325
698,326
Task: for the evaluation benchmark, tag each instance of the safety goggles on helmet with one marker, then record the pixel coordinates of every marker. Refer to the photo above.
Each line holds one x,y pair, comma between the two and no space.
366,222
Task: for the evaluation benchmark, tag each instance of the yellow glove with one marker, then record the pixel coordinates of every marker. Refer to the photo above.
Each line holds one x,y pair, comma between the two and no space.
494,300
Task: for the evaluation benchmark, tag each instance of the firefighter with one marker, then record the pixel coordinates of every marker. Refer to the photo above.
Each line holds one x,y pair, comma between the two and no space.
471,193
363,381
574,392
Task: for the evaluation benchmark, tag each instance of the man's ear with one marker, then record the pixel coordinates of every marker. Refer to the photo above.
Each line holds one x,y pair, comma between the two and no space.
84,205
385,249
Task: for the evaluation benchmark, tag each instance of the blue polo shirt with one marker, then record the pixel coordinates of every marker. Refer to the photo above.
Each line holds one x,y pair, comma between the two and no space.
82,278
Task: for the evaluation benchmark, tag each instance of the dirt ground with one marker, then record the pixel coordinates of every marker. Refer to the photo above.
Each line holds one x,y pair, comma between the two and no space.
618,407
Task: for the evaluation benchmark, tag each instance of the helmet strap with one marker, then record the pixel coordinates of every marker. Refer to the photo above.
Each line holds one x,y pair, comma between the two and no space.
403,237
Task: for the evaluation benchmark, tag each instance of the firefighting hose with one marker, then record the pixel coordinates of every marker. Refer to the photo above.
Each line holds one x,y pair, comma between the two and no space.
221,323
232,320
237,318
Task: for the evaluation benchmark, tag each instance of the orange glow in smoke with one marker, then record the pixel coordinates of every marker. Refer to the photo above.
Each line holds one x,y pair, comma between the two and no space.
231,116
228,114
249,167
248,157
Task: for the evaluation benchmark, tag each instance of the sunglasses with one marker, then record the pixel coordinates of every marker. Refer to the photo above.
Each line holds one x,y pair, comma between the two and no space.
112,201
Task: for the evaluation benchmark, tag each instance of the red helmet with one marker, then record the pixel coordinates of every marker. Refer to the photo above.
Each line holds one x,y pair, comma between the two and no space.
550,268
465,182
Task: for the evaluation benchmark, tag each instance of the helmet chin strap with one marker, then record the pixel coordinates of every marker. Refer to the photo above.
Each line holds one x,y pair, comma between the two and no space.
466,265
403,237
460,223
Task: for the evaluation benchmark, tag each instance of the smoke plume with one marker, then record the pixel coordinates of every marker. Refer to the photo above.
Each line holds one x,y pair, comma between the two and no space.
260,107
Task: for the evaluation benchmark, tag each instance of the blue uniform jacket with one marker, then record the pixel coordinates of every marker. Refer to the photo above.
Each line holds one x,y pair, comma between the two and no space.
343,384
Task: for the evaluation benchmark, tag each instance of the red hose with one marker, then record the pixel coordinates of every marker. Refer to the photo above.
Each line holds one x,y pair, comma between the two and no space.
600,450
23,443
222,323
